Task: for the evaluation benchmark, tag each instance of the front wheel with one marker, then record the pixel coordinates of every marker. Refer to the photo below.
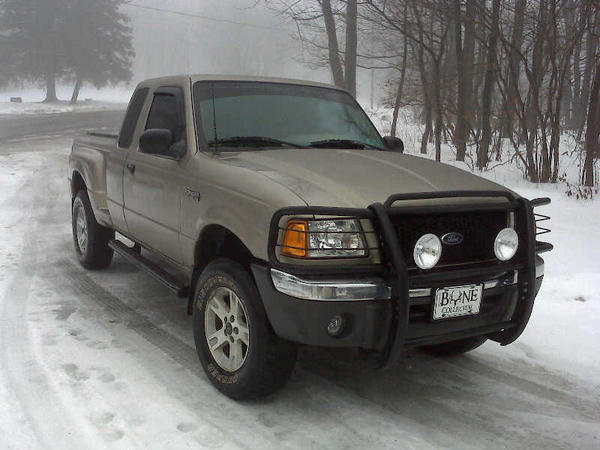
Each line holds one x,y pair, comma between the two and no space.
239,352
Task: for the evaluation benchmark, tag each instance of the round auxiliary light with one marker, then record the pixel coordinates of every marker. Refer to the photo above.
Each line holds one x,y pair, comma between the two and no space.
506,244
428,251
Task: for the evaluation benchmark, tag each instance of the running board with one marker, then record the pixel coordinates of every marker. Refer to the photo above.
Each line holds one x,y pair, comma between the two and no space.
155,271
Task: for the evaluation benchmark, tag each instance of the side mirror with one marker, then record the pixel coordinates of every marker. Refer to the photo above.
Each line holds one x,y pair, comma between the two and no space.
157,141
393,143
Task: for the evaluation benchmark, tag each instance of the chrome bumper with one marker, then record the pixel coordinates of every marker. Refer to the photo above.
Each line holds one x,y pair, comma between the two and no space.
367,289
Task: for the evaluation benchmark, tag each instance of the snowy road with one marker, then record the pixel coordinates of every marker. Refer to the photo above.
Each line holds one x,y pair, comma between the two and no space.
106,359
19,126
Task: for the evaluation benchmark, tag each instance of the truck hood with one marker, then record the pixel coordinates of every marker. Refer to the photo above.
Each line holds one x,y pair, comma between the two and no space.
354,178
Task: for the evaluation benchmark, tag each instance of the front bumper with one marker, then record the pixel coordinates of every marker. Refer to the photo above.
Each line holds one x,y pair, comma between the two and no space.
367,320
370,324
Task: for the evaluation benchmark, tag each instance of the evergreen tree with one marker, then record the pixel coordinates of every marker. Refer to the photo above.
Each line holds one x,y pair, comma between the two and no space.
79,40
99,46
32,48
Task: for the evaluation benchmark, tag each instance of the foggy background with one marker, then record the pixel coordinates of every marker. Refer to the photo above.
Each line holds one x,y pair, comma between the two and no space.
239,37
506,89
487,82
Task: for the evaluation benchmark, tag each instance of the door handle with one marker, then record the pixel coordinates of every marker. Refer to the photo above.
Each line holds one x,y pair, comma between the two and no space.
131,167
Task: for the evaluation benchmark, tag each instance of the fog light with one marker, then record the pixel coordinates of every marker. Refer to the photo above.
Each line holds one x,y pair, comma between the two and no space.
506,244
335,326
428,251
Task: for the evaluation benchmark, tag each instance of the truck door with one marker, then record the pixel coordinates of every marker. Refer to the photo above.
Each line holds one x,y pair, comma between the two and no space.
115,161
152,184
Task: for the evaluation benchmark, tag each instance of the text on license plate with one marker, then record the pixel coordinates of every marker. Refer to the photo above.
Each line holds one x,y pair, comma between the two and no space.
457,301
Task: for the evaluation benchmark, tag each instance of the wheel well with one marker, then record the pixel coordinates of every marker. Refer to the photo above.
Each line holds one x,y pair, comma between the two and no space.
77,184
216,242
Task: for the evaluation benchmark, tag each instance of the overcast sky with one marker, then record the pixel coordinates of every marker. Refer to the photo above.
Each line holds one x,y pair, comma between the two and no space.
168,43
240,37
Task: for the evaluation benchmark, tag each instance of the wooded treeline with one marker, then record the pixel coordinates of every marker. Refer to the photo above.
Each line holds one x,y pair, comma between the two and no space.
496,79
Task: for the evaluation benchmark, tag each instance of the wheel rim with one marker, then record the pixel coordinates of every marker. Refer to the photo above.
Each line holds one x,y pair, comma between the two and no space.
81,230
226,329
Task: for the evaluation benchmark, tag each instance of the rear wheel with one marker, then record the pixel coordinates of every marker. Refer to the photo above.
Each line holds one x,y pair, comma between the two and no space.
90,238
456,347
239,352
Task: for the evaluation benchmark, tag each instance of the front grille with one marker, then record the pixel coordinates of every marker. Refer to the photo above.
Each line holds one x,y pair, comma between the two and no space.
479,229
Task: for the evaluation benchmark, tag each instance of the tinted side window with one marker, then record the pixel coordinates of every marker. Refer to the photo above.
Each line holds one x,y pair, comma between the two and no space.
132,116
165,114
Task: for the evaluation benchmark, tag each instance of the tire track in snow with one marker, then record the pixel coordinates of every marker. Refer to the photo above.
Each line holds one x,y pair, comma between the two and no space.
466,401
81,285
259,423
479,404
26,377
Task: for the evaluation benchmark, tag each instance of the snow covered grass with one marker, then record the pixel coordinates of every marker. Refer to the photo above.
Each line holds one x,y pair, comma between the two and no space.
90,99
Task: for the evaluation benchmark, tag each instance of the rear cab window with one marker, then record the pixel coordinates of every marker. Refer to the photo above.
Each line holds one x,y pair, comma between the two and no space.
132,116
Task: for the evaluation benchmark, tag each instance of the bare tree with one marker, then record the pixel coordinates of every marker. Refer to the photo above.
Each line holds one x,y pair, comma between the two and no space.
592,134
464,68
317,21
488,88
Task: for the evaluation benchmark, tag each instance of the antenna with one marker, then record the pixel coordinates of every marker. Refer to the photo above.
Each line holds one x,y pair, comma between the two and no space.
216,139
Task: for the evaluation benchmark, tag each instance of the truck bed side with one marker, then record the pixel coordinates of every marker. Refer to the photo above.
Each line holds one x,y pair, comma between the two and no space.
87,163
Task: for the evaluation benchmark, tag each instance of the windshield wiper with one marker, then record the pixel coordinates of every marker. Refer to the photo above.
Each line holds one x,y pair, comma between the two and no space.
257,141
342,143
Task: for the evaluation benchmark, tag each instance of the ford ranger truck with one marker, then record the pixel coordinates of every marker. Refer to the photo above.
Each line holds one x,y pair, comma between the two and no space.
279,212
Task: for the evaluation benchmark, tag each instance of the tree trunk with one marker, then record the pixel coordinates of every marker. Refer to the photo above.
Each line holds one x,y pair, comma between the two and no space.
578,117
460,133
592,133
332,44
437,104
514,63
402,77
427,102
488,89
533,118
400,88
351,44
590,60
428,127
469,61
76,90
50,88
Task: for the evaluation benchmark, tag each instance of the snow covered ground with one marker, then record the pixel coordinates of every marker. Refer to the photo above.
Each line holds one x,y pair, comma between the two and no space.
35,108
90,99
106,359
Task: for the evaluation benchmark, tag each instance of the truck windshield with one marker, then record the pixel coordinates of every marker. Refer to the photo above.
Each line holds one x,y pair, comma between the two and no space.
235,115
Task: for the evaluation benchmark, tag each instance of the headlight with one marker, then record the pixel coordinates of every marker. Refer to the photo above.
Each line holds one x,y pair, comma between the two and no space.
428,251
506,244
326,238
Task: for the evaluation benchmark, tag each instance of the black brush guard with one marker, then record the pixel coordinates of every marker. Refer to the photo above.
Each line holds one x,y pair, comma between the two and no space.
395,269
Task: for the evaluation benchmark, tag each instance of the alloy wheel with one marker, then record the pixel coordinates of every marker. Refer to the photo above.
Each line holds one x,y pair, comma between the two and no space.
226,329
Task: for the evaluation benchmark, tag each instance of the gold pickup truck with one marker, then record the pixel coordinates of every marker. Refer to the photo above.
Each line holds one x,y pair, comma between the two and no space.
283,217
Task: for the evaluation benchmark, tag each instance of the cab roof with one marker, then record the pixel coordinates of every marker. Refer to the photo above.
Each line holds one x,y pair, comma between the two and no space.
208,77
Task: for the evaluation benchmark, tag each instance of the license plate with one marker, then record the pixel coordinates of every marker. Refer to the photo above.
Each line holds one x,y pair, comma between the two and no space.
456,301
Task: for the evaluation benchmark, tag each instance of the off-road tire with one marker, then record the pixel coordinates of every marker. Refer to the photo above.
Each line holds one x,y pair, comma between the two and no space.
269,360
95,254
456,347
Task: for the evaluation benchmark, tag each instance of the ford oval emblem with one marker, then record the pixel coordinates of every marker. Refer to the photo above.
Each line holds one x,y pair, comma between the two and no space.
453,238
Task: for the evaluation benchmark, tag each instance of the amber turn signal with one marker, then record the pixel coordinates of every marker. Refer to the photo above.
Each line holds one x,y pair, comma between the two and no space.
295,239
